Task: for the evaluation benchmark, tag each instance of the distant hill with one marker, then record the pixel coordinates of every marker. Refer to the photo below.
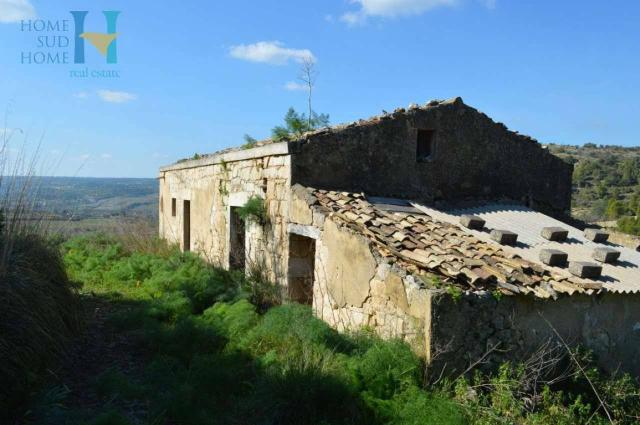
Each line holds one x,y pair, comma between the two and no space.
606,183
84,197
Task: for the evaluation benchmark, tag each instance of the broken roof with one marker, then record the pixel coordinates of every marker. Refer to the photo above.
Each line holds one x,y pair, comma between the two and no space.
423,239
207,159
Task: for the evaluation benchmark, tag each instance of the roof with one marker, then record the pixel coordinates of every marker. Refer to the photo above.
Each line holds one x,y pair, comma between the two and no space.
622,276
231,155
261,145
422,239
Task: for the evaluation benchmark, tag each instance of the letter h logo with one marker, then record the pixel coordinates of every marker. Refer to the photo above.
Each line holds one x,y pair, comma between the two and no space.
104,42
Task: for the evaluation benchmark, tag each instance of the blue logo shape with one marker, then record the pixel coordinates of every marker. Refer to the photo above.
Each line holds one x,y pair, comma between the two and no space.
104,42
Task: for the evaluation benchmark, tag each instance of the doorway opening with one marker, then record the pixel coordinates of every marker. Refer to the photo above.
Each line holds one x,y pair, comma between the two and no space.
186,224
302,253
236,240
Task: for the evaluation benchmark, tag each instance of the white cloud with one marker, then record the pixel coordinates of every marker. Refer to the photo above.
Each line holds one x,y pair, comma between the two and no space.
81,95
15,10
106,156
293,86
116,96
271,52
392,8
84,157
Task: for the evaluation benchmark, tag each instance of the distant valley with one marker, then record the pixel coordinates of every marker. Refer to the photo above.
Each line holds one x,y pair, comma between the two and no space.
87,197
75,205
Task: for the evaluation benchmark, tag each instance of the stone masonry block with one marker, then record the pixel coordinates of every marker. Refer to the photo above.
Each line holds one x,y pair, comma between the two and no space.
585,269
596,235
504,237
553,257
606,255
558,234
472,222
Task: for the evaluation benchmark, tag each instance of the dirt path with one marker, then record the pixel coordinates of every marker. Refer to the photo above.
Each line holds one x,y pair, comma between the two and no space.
99,348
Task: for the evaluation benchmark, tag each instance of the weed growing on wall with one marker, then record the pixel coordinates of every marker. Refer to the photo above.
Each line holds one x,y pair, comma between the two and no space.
253,210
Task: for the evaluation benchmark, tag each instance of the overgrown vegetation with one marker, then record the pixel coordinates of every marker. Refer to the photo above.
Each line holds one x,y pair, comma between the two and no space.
249,142
38,308
214,357
194,157
630,225
39,313
253,209
296,124
606,183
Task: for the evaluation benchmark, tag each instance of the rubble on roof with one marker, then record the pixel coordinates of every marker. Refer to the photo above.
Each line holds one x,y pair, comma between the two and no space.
420,243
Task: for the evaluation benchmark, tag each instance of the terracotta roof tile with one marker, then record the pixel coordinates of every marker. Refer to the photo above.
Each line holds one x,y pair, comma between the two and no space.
424,243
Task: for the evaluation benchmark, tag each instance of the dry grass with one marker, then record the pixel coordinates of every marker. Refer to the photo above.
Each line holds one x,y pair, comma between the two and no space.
39,308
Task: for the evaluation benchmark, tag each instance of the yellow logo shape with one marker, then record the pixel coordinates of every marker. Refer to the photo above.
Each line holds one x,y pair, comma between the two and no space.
100,41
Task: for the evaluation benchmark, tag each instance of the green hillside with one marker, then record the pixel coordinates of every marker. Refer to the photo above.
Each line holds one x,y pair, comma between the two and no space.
78,205
606,183
88,197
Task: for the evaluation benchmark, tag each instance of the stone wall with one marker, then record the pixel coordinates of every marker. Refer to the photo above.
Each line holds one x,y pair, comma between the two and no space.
354,287
473,157
212,190
463,330
353,290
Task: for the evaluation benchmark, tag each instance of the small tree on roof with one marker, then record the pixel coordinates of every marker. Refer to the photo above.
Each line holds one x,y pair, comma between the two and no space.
296,124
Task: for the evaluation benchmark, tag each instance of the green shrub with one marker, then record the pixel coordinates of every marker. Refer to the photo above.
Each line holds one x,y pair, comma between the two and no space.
414,406
234,320
184,339
88,258
500,399
310,396
182,282
216,357
290,331
386,368
253,209
261,291
630,225
200,392
249,142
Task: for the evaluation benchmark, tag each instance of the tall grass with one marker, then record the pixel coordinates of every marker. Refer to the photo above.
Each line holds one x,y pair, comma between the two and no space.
38,307
214,356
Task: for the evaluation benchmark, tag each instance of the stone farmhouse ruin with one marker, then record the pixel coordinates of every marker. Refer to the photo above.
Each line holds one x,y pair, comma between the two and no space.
433,224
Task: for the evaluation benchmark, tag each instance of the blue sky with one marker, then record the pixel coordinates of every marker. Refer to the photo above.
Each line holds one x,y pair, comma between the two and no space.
195,76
